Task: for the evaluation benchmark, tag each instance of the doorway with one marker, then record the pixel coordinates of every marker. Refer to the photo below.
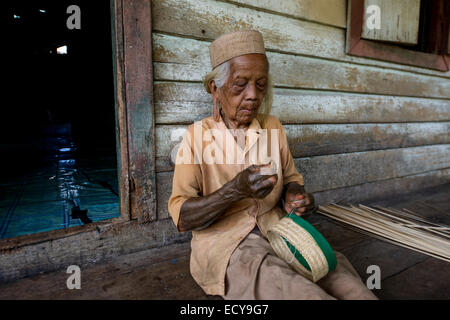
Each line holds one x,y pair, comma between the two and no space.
58,139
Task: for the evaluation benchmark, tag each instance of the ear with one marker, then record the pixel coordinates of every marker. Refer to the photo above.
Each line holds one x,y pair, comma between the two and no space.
212,87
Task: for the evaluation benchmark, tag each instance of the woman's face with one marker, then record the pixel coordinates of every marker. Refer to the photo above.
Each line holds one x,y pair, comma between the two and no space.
245,88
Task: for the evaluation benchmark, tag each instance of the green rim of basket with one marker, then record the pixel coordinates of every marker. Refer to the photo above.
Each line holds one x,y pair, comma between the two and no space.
297,255
320,240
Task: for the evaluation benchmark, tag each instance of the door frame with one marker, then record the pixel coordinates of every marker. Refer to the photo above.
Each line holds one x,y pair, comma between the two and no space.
135,124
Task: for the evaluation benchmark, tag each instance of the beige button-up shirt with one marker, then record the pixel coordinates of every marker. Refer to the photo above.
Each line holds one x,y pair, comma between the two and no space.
209,157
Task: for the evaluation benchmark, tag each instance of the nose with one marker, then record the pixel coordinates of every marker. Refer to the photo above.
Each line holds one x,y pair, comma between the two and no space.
251,91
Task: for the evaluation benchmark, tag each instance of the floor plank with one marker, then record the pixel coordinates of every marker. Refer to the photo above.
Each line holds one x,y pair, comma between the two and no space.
429,279
161,273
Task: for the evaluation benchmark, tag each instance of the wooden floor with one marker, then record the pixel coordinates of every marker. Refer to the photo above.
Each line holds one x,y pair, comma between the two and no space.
163,273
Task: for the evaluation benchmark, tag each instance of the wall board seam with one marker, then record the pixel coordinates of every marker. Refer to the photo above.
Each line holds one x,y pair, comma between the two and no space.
360,93
387,179
193,37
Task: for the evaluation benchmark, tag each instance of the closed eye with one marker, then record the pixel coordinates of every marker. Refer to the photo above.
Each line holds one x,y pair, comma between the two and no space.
240,83
261,85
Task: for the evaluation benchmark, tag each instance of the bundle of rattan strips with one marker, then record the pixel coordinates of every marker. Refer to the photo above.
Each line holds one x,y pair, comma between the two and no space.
300,245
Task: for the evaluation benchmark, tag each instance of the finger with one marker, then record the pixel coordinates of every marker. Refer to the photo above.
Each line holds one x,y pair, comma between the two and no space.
263,192
298,203
253,168
255,177
294,196
288,207
309,199
307,202
298,212
272,179
256,167
293,205
299,196
310,204
263,185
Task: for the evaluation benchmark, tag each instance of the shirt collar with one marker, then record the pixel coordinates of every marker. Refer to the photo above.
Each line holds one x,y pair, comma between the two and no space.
252,133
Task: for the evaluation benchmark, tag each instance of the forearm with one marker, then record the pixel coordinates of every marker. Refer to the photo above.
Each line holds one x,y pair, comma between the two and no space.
199,212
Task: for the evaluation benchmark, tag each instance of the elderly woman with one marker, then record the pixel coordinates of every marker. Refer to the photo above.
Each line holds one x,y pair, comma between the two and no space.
229,207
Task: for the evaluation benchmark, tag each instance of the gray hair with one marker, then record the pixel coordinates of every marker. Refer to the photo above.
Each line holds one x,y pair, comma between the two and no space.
220,75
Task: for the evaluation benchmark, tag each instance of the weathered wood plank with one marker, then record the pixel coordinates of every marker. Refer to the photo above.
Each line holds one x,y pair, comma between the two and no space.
184,103
427,280
380,253
342,170
139,275
361,192
164,181
332,12
384,188
120,115
327,139
94,245
314,140
209,19
155,274
182,59
138,76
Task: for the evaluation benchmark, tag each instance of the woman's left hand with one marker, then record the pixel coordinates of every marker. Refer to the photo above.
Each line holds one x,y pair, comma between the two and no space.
298,200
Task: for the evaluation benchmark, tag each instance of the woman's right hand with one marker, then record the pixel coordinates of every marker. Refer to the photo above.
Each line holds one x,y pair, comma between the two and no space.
197,213
250,183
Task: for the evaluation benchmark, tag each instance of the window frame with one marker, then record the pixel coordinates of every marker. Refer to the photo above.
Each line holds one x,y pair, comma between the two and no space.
357,46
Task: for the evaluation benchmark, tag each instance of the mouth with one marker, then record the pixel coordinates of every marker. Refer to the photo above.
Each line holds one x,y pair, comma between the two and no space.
247,111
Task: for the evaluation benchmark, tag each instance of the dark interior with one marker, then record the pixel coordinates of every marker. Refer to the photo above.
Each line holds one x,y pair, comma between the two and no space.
57,141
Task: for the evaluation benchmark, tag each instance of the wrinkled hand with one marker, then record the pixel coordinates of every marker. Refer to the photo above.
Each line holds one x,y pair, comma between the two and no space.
250,183
300,201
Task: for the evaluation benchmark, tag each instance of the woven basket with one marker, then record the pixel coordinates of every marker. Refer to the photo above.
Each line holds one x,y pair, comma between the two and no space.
299,244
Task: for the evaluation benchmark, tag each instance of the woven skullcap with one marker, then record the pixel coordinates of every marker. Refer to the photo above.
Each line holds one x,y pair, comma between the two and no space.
235,44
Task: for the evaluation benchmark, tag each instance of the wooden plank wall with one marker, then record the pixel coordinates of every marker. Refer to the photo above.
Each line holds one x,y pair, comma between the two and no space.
357,127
